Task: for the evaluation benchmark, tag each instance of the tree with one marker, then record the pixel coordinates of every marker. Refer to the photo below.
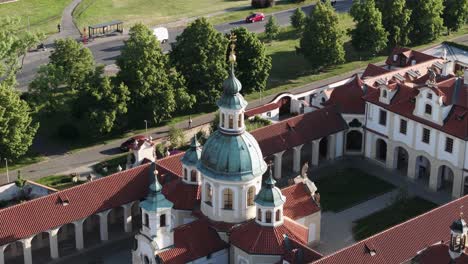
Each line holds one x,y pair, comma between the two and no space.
17,130
199,56
426,21
100,103
455,14
156,90
271,28
369,34
176,137
298,19
322,40
395,19
253,65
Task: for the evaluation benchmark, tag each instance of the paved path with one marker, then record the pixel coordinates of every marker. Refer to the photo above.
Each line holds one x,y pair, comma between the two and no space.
336,231
68,27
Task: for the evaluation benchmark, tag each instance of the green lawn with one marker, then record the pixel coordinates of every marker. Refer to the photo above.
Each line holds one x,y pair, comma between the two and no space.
390,216
28,159
44,15
345,187
256,122
109,166
59,182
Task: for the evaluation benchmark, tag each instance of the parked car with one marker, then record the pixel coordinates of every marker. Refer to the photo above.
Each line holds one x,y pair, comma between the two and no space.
161,34
255,17
127,144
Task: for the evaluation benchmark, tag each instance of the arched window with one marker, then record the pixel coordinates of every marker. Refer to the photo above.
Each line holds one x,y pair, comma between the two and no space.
259,214
193,176
162,220
428,109
222,120
185,174
227,197
231,121
209,194
239,121
268,217
146,222
251,196
278,215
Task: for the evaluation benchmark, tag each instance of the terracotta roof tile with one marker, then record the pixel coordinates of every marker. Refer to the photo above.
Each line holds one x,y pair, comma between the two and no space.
184,196
171,164
256,239
409,54
293,256
187,249
299,202
373,70
348,97
261,109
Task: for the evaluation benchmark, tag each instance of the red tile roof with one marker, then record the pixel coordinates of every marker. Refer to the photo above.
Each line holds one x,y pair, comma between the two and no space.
35,216
299,202
293,256
299,130
373,70
348,97
256,239
456,124
261,109
187,248
171,165
217,225
184,196
402,242
437,254
409,54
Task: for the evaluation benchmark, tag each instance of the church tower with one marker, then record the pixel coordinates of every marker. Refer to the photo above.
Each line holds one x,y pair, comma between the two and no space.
189,163
270,203
231,163
156,232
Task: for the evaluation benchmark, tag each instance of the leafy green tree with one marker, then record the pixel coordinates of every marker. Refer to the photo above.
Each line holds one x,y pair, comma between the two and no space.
156,90
396,21
13,45
176,137
455,14
17,129
369,33
298,19
426,20
253,65
272,28
199,56
100,103
322,40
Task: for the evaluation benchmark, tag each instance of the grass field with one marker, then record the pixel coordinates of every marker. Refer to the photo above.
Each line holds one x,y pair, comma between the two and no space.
390,216
345,187
44,15
153,12
59,182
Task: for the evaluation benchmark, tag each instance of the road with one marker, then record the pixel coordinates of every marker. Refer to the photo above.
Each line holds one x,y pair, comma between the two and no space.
106,50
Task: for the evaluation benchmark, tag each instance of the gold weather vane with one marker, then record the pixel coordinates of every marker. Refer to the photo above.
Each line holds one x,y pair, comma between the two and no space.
232,55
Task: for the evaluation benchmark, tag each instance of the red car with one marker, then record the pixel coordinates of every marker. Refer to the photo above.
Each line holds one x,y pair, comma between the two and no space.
126,145
255,17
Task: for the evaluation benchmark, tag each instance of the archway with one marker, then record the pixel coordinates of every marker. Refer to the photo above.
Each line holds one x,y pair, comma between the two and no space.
66,240
381,150
323,148
287,163
13,253
285,106
40,248
401,160
115,221
306,154
465,186
91,231
354,140
423,168
136,216
445,178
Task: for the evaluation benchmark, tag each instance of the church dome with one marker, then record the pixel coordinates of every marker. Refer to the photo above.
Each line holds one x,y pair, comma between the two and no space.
193,154
231,98
232,157
270,195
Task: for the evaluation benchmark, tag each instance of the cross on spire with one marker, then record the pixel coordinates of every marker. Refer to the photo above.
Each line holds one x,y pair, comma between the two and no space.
233,40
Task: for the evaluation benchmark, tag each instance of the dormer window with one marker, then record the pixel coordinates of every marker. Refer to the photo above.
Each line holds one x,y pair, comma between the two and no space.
428,109
429,96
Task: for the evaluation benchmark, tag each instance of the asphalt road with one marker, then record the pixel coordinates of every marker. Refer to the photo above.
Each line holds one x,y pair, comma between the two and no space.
106,50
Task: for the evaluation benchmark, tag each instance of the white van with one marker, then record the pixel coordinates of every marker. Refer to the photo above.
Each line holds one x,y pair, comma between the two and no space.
161,34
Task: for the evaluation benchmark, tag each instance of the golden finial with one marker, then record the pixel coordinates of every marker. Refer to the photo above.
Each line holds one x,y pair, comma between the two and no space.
232,55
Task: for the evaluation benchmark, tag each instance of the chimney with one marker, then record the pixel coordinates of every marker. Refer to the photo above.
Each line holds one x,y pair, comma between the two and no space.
448,68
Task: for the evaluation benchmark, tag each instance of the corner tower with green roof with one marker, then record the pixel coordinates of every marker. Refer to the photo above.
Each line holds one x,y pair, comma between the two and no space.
231,162
270,203
190,161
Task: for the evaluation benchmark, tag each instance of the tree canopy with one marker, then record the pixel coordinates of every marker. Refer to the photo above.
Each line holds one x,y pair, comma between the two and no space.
426,20
298,19
369,34
272,28
156,90
455,14
253,65
200,56
396,21
322,39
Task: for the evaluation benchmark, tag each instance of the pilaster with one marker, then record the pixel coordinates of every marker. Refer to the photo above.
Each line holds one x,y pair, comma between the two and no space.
79,241
54,252
27,251
127,210
457,188
104,232
315,152
412,165
278,164
2,255
297,158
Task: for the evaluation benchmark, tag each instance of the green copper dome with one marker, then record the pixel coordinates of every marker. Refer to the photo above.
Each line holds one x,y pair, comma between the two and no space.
270,195
155,199
231,98
193,154
232,157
